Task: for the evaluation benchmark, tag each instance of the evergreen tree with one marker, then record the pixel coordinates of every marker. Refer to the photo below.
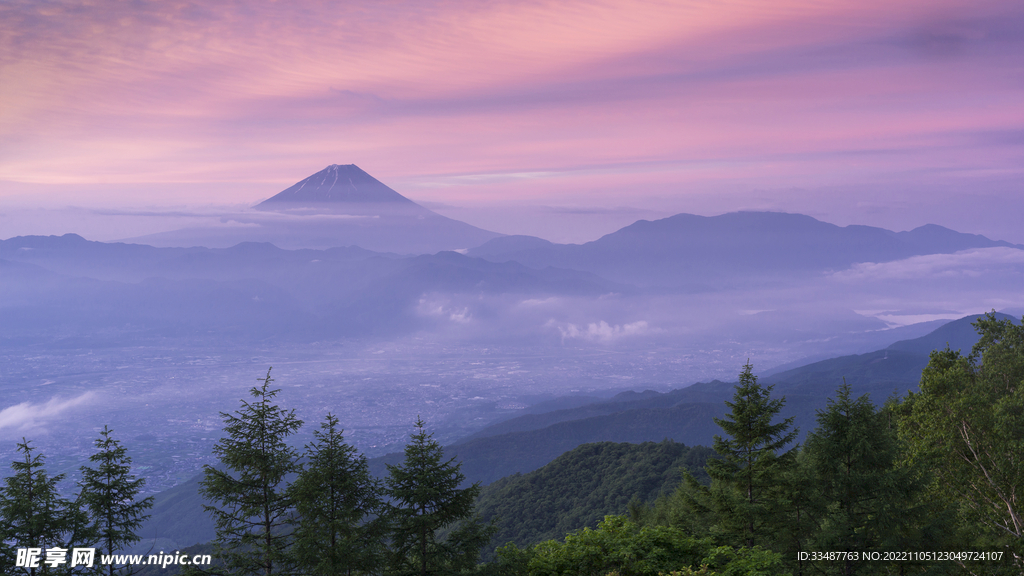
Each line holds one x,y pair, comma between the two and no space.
743,504
108,495
796,523
32,512
254,506
426,499
337,502
8,555
864,501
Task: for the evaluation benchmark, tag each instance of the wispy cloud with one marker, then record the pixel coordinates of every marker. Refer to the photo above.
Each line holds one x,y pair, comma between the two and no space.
600,331
965,264
29,417
442,308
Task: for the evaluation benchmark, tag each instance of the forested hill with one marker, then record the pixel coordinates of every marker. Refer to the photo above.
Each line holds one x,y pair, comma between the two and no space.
580,487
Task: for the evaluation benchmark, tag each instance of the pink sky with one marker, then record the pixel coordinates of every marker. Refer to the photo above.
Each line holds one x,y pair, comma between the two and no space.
517,115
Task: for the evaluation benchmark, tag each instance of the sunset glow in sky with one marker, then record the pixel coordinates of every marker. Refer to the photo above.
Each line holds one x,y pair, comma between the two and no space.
885,113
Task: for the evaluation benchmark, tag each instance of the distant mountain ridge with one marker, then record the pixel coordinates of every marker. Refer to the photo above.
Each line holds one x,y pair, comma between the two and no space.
692,251
50,284
346,287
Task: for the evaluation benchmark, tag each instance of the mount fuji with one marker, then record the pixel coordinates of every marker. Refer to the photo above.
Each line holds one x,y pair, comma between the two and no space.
340,205
336,187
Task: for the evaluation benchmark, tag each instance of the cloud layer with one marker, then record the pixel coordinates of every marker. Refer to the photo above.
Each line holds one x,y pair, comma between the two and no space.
982,263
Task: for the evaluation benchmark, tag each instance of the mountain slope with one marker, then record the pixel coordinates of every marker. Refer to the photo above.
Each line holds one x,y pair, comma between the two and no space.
883,371
686,414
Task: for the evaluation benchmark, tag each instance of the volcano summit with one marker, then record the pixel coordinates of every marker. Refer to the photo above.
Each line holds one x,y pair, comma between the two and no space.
340,205
335,186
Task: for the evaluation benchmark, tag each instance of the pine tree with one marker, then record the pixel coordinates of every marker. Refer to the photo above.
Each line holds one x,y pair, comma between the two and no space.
8,555
254,505
743,500
32,511
338,504
108,494
865,501
426,499
796,506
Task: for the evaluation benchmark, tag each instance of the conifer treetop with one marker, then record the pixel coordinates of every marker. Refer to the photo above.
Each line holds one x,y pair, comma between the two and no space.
749,424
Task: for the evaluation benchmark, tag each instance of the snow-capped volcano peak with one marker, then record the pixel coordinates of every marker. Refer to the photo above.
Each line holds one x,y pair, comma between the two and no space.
336,183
